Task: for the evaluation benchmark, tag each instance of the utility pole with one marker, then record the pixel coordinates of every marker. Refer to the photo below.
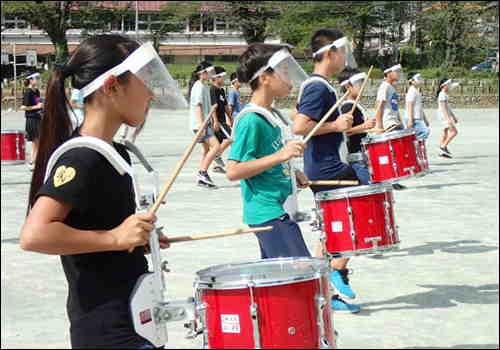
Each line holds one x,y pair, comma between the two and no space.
137,20
15,75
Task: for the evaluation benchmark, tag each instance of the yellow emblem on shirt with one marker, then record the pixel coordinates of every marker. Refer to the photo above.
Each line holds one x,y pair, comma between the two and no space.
63,175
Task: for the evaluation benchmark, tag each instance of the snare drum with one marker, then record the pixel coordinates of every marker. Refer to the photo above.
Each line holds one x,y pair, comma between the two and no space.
392,156
272,303
13,145
422,156
357,220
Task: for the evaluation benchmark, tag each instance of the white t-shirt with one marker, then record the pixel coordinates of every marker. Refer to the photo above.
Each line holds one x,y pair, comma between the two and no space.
414,96
388,94
200,94
443,97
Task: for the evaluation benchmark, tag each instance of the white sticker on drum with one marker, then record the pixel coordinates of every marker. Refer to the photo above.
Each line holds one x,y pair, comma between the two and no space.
230,323
337,226
383,160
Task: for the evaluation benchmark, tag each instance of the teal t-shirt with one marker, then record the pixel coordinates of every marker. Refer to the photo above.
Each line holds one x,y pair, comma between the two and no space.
264,194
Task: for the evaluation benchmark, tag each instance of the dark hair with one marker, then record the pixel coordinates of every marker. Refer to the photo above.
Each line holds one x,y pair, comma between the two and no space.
219,69
321,38
347,73
410,76
234,76
194,75
439,86
92,57
253,59
26,82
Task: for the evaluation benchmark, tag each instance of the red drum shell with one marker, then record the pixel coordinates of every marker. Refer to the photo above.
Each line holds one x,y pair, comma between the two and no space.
13,147
373,220
287,311
392,156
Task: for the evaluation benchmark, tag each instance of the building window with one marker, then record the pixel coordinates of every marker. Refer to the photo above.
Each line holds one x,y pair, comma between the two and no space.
194,24
208,23
220,25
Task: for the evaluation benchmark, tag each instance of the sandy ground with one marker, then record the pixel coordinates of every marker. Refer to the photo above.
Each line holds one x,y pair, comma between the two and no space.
440,290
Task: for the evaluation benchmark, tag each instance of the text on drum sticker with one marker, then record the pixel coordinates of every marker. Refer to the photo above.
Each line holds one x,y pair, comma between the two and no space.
383,160
337,226
230,323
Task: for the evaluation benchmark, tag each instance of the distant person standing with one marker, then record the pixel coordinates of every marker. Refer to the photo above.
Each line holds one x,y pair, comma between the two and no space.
415,117
32,107
199,109
222,129
447,117
76,103
234,98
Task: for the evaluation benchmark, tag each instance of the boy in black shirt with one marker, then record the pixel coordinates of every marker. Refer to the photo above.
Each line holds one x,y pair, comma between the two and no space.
222,125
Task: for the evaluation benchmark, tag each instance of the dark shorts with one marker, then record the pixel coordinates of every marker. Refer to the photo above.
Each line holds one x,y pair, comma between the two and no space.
32,128
284,240
221,135
347,174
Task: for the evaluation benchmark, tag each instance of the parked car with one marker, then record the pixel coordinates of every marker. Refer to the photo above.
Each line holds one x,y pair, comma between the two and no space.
485,66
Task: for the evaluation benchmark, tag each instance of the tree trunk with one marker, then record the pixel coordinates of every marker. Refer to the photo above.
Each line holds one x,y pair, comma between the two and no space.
360,48
62,52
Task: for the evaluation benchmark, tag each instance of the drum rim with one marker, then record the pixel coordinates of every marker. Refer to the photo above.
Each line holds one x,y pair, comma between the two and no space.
366,251
376,138
204,277
354,191
13,131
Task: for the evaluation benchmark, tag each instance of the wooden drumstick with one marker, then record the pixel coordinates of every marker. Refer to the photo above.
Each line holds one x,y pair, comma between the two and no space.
333,182
178,168
198,237
325,117
361,90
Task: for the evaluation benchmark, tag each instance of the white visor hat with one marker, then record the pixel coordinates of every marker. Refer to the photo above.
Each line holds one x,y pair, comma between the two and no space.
146,65
283,64
417,77
33,76
210,70
345,46
396,68
355,80
222,74
451,83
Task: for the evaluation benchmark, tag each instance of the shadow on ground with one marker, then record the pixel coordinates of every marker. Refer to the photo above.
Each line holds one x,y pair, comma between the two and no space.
440,186
440,296
454,247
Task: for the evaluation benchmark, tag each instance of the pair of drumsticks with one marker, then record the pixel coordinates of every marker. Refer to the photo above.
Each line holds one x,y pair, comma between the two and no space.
189,150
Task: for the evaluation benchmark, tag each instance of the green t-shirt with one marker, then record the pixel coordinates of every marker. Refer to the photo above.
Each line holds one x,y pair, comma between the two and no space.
263,194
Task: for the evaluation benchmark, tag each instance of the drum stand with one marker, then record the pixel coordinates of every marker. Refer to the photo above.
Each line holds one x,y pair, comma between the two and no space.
148,304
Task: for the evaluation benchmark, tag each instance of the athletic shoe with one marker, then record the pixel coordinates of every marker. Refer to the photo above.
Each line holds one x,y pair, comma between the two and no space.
205,180
444,150
206,185
219,162
339,305
339,280
218,169
445,155
399,187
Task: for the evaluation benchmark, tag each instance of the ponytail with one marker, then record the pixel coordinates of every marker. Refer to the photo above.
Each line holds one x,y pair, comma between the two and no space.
54,129
194,78
93,57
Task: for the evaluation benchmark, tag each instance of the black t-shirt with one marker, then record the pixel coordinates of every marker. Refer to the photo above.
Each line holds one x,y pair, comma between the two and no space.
218,95
31,97
99,284
354,142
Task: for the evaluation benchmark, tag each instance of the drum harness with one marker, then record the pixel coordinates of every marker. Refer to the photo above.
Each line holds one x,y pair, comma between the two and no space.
149,308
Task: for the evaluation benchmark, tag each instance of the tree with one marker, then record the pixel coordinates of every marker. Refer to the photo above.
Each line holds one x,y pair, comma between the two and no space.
56,17
252,18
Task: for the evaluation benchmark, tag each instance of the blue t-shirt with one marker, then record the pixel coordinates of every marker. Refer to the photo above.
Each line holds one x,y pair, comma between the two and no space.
234,99
321,156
